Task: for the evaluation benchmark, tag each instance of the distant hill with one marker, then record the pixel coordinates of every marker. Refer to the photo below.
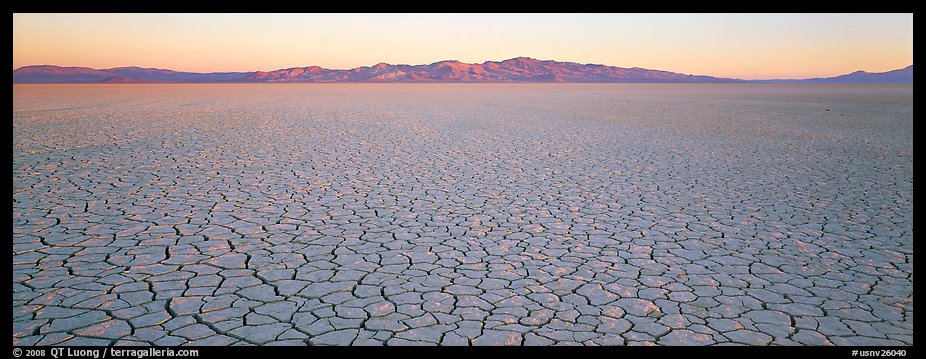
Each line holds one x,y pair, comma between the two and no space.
58,74
519,69
904,75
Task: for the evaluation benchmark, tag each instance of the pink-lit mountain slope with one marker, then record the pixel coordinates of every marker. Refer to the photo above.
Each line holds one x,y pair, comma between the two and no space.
520,69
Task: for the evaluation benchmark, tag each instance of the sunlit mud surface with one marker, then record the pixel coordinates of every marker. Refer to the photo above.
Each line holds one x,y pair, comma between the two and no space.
455,214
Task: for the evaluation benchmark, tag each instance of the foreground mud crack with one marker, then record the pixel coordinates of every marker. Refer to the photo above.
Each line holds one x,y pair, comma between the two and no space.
460,215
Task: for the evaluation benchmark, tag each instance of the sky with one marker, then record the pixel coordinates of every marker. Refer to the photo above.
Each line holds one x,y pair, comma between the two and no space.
746,46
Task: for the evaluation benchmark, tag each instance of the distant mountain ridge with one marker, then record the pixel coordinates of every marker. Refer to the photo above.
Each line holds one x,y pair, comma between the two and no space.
904,75
59,74
519,69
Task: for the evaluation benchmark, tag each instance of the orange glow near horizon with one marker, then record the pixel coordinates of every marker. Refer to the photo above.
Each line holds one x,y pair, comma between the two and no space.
747,46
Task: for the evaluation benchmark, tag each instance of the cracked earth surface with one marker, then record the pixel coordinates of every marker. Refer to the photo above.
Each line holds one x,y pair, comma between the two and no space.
544,214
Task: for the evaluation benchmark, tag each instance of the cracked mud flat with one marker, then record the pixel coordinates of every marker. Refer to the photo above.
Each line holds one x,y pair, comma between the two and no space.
500,214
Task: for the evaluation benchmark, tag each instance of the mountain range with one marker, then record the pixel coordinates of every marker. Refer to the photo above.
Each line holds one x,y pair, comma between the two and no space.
904,75
519,69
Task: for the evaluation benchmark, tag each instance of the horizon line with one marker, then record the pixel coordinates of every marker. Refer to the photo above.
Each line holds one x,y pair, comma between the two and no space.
468,63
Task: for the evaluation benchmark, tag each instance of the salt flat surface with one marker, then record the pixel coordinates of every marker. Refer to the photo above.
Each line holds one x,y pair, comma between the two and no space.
456,214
